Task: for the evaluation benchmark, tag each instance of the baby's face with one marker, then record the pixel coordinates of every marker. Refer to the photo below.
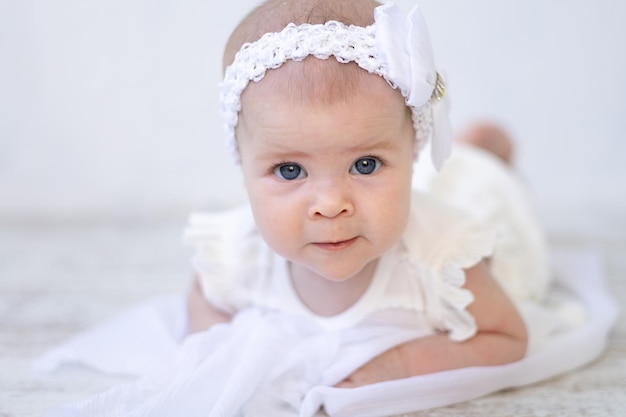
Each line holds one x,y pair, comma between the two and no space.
329,183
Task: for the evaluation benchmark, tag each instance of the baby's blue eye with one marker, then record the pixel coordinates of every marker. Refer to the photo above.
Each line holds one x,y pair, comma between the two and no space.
289,171
366,166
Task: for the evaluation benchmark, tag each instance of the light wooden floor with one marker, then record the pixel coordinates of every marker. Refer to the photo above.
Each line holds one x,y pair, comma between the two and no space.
57,280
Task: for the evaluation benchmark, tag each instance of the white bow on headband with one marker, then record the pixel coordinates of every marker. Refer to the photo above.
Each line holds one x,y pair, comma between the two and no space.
395,47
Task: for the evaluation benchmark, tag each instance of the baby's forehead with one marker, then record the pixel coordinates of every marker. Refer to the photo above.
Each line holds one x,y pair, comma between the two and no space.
318,81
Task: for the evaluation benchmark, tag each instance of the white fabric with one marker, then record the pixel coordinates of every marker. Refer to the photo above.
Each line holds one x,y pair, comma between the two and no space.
481,185
423,273
396,47
404,44
276,364
285,362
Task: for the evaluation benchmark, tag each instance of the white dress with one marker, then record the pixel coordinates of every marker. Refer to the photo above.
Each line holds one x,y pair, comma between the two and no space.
473,209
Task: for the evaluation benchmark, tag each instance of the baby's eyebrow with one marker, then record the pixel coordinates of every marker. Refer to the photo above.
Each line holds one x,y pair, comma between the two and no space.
288,152
278,153
383,145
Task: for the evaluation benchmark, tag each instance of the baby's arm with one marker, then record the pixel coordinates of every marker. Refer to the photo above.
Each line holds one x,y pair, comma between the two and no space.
501,338
201,314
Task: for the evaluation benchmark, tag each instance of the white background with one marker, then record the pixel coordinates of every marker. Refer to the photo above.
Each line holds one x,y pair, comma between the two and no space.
108,108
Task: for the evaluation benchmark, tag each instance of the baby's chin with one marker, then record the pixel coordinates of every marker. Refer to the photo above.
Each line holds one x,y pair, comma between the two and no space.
341,272
339,276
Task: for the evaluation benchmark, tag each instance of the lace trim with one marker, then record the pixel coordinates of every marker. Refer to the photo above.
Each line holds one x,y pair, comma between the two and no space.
451,313
227,255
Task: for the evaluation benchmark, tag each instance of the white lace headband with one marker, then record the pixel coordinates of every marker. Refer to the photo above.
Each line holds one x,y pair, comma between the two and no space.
395,47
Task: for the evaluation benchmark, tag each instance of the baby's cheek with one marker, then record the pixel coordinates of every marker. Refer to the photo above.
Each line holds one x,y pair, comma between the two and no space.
274,224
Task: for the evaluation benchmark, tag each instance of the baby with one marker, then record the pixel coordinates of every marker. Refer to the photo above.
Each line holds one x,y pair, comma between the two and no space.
327,105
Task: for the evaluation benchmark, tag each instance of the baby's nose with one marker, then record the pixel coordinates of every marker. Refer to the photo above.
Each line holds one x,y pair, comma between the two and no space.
331,199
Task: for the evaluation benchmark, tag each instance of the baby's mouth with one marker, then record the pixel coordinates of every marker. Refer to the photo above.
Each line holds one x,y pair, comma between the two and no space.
335,246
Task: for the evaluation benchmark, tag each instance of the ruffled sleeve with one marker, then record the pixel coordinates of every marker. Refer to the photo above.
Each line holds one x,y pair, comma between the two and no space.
228,256
448,244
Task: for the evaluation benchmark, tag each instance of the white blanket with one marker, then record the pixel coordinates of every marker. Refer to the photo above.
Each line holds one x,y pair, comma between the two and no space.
272,364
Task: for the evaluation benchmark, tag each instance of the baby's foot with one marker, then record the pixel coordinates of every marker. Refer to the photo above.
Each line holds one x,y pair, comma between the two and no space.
490,138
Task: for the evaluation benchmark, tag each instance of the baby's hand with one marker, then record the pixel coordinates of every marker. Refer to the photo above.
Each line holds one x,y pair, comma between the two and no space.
389,365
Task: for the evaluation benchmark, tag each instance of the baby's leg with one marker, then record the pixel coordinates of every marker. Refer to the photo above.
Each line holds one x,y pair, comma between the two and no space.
490,138
520,261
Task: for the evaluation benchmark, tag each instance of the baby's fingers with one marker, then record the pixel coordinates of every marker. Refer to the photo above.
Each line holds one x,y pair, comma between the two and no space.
385,367
346,383
353,381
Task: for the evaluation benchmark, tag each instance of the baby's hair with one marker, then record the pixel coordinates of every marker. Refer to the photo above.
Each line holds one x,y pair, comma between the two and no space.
318,80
